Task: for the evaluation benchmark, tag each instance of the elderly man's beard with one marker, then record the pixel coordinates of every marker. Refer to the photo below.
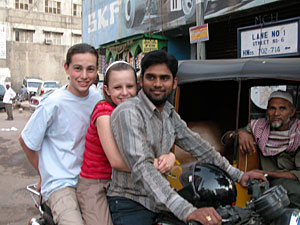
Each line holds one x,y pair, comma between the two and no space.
278,124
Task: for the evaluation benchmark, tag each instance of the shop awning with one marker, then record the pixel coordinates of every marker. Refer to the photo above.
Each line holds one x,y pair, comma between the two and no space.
135,44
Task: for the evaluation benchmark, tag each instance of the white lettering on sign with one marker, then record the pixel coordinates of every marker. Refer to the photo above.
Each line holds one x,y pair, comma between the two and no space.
105,17
274,40
102,22
114,9
92,23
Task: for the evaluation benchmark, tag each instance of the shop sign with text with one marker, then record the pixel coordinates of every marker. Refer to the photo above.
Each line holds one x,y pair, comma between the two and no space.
274,40
199,33
149,45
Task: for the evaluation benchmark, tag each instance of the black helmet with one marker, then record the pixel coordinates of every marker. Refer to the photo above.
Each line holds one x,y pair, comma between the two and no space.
206,185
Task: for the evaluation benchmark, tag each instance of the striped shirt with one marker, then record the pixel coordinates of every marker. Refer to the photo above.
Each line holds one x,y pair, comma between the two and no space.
273,142
278,141
142,133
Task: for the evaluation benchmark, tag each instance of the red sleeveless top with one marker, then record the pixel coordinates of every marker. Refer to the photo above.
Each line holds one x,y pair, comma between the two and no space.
95,164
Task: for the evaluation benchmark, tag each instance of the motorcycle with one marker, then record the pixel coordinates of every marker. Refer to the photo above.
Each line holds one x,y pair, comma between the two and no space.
205,185
45,212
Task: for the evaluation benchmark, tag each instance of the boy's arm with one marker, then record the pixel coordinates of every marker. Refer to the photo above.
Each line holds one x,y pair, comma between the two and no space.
31,155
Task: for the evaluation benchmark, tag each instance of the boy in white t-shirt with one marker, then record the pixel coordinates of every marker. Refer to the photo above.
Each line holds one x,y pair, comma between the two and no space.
54,137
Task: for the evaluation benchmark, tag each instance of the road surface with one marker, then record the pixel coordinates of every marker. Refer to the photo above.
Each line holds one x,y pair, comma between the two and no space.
16,205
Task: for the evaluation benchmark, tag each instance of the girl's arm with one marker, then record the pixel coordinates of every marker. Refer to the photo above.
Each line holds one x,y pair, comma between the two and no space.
109,145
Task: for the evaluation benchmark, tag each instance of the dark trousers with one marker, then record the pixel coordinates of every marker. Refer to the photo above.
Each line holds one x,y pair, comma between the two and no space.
8,108
127,212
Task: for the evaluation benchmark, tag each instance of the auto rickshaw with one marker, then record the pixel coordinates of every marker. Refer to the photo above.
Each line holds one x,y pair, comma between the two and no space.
215,96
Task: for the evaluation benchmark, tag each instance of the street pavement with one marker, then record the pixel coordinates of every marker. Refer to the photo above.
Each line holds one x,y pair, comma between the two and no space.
16,204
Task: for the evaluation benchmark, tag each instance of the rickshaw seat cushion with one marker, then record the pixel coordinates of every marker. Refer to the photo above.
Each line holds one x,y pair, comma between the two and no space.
209,131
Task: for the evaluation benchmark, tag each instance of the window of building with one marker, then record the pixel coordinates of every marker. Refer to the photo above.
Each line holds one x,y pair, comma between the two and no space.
77,10
52,6
175,5
24,35
53,38
23,4
76,38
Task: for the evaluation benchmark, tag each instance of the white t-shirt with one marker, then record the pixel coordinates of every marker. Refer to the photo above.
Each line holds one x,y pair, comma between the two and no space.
57,130
9,94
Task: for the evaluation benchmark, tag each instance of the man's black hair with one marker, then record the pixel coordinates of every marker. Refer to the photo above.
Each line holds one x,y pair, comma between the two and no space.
159,57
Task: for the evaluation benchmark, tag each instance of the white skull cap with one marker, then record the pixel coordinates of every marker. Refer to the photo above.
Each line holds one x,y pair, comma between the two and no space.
281,94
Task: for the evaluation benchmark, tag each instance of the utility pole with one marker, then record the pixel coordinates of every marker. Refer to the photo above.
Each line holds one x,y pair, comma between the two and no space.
201,54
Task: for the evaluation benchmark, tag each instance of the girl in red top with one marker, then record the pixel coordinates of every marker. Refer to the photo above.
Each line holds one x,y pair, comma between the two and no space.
101,152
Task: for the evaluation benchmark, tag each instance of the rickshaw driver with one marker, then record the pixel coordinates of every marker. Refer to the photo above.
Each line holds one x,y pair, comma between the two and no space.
278,139
145,127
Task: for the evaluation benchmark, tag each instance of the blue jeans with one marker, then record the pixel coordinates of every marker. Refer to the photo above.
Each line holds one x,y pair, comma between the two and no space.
128,212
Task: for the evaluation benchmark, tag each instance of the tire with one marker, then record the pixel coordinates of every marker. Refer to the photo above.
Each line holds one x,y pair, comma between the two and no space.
134,12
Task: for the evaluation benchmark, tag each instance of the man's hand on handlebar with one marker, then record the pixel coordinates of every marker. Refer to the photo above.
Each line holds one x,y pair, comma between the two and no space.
256,174
206,216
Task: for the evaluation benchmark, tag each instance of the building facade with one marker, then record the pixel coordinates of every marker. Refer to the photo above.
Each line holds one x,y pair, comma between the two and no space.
127,29
35,36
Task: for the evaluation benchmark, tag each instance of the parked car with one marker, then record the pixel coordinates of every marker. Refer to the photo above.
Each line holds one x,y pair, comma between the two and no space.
36,99
48,86
2,92
34,102
31,85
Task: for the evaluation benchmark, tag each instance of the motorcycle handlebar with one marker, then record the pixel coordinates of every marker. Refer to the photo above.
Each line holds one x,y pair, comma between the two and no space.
32,189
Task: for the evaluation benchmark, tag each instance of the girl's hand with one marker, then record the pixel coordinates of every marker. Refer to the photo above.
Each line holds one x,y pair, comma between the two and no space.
165,163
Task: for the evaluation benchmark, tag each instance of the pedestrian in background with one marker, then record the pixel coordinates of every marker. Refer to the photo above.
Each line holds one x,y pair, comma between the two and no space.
9,95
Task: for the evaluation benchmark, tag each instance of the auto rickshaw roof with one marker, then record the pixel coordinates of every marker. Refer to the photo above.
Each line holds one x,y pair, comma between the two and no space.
227,69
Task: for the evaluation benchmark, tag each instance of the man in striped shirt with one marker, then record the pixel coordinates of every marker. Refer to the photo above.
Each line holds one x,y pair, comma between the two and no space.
146,127
278,138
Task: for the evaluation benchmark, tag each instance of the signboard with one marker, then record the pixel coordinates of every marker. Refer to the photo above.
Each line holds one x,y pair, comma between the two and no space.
149,45
104,21
276,39
199,33
2,41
